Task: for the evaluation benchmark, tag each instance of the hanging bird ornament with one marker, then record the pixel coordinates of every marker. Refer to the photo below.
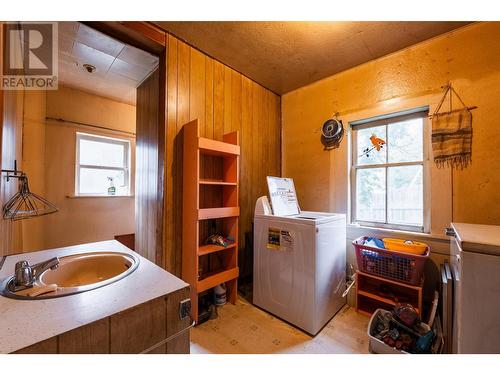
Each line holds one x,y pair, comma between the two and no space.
377,144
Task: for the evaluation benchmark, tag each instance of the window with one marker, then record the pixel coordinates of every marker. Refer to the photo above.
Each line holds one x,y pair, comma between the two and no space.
388,185
101,164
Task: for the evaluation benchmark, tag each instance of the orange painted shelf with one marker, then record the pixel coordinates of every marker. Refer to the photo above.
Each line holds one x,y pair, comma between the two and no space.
369,296
218,213
212,147
217,182
217,278
209,249
194,215
378,298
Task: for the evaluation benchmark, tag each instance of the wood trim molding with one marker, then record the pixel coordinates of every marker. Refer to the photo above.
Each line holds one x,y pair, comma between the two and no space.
161,238
147,29
142,35
1,99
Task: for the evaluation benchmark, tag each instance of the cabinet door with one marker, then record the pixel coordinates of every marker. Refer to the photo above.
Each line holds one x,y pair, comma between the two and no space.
180,344
90,339
139,328
48,346
455,260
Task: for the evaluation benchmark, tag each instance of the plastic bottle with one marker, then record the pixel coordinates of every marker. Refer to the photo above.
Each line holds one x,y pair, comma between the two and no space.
220,294
112,188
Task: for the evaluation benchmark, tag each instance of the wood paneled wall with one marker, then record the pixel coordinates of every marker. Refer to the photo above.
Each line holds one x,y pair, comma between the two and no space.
11,125
223,100
147,168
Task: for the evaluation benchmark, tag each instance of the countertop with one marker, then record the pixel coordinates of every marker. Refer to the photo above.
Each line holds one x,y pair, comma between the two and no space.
478,238
26,322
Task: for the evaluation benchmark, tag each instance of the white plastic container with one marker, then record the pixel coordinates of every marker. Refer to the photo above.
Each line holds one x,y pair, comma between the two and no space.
376,345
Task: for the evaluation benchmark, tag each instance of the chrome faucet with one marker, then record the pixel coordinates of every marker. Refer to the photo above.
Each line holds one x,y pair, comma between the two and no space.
25,275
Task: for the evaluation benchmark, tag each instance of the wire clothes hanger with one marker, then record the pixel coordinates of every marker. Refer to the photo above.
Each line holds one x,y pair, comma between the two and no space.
25,204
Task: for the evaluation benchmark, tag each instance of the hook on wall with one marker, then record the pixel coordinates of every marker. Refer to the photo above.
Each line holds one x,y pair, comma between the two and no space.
13,173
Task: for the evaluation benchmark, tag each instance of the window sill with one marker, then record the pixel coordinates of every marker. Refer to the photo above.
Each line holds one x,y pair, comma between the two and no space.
98,196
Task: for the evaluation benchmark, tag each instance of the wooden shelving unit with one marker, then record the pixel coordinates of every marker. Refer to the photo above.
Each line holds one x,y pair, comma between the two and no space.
208,200
373,292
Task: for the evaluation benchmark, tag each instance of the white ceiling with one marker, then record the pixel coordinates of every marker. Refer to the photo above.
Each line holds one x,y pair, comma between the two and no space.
120,68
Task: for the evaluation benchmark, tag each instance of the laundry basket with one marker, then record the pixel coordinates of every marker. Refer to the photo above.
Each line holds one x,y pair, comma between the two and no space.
399,266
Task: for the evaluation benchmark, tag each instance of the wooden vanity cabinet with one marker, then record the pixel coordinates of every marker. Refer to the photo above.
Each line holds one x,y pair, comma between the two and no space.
128,332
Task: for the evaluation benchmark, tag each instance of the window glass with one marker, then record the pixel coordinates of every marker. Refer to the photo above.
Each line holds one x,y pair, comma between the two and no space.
404,141
388,183
370,194
366,154
97,181
103,165
405,195
101,153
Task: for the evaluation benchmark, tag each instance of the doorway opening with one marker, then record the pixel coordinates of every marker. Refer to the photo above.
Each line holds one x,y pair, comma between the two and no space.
92,146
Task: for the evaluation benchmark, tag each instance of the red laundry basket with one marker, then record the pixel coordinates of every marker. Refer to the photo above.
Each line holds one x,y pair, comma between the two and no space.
399,266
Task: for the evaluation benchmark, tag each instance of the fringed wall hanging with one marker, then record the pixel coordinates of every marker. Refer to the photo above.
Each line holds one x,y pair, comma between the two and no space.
452,133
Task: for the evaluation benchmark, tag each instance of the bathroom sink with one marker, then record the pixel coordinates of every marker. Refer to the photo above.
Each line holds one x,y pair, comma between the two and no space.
76,274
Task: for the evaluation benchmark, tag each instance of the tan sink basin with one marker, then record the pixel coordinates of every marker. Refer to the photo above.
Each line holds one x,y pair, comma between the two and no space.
81,270
79,273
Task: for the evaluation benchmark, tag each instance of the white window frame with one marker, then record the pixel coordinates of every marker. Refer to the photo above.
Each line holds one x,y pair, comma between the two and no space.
421,112
104,139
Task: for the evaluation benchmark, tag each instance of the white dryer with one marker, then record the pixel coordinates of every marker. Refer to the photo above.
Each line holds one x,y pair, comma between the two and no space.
299,259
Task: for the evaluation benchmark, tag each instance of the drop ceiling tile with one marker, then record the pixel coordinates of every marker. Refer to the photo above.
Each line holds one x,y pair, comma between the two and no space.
68,29
136,56
65,45
74,65
135,72
99,41
66,65
119,86
118,79
88,55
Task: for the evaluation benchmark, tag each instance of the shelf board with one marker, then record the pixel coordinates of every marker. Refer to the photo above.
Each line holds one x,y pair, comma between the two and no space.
216,279
377,298
217,182
218,212
390,281
217,148
208,249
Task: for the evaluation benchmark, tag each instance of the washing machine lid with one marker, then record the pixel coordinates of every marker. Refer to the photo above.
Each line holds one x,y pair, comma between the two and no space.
306,217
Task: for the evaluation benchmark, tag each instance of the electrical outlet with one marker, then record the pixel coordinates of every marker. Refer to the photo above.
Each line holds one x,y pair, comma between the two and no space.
185,308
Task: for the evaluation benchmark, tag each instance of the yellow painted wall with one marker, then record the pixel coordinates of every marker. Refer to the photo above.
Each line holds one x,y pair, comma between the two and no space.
82,220
48,158
468,57
72,104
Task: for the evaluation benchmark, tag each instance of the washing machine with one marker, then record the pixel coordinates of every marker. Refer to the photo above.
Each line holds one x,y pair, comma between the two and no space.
299,259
